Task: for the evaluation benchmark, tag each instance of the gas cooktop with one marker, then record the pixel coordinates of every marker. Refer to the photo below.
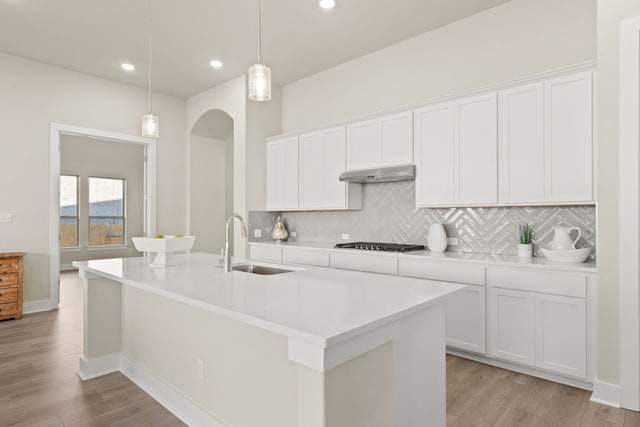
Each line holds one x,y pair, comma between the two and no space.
372,246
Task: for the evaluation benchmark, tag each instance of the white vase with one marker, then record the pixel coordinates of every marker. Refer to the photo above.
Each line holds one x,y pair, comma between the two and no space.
525,250
437,239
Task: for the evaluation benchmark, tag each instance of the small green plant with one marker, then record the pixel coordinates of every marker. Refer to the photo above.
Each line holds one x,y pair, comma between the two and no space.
525,234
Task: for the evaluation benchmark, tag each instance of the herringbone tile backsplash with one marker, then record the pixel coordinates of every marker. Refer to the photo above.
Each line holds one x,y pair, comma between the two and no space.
389,215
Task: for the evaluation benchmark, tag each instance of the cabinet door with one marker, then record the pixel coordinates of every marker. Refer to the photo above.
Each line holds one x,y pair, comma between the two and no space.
335,192
434,151
397,139
466,320
561,334
282,174
568,138
312,170
512,325
522,164
476,156
364,144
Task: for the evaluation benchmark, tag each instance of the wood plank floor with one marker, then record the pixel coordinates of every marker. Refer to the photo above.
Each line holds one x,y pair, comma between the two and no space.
39,387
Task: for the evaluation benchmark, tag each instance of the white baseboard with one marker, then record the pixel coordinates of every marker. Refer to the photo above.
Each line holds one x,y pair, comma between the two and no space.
605,393
67,267
99,366
174,401
36,306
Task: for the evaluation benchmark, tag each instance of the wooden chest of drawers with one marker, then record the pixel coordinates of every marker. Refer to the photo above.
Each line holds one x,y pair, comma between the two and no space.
11,285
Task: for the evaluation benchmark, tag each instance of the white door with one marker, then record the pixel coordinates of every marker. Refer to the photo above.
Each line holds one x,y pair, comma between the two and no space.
312,170
512,325
522,164
568,138
476,156
561,334
434,155
397,138
466,320
364,144
335,192
282,174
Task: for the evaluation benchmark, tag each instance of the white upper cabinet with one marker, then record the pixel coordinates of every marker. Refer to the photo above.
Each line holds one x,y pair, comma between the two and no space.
282,174
546,141
434,155
477,150
322,160
456,152
569,138
522,160
382,141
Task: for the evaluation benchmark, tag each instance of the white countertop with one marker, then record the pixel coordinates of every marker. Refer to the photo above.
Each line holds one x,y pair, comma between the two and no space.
488,259
319,305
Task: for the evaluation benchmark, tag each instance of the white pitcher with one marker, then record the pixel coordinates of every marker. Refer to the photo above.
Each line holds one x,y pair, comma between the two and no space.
562,238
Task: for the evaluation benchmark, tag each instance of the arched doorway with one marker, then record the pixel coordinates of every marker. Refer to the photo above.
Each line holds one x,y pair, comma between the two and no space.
211,200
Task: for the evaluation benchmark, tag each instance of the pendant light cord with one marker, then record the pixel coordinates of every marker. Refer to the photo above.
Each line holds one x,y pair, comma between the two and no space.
259,31
150,57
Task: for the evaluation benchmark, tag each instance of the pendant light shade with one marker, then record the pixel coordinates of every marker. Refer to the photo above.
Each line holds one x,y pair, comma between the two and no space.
259,83
150,126
150,122
259,75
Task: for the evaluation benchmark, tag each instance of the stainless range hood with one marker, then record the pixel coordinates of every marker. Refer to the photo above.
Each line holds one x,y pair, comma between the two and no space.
382,174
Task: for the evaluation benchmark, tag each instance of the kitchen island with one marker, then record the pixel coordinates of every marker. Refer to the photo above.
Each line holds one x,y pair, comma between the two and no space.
312,347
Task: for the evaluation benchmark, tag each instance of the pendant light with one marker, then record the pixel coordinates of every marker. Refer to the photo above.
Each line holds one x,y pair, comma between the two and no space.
150,123
259,78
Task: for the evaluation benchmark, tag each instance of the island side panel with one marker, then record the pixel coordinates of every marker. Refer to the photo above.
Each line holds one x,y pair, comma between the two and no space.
248,379
102,327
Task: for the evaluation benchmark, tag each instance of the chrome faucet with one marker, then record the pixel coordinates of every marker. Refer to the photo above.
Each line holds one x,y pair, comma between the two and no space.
226,258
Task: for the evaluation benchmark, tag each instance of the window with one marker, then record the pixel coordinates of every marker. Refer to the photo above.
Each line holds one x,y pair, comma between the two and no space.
68,211
106,211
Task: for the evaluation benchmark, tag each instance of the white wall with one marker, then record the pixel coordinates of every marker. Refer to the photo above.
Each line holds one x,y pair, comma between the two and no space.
34,95
90,157
610,13
515,39
208,177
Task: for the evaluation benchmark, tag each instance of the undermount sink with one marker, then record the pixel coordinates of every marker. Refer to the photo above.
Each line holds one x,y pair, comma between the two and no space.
259,269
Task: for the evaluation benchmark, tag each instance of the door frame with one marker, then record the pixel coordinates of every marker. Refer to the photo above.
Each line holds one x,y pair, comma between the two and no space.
149,206
629,214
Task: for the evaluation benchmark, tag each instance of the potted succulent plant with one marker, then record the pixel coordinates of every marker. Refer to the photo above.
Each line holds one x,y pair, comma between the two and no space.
525,247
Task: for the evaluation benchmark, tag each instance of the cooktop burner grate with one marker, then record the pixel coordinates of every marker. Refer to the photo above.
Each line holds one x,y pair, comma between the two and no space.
388,247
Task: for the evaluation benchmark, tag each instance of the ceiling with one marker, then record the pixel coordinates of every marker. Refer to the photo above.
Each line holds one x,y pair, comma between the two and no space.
299,38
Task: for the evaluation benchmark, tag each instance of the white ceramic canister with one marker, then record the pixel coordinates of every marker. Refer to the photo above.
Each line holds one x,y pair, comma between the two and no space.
437,239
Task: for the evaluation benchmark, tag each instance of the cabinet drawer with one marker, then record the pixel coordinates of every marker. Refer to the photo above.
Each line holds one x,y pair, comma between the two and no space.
266,253
8,295
9,264
305,257
367,263
547,282
8,310
8,280
446,271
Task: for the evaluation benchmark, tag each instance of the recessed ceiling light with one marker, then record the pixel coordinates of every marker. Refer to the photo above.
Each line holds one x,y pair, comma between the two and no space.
327,4
215,63
128,67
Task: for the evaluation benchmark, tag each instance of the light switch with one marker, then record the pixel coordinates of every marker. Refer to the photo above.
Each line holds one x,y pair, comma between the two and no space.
345,236
257,233
294,234
453,241
6,217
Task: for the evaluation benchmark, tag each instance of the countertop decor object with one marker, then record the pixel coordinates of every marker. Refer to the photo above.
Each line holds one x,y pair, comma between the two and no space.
437,239
164,247
279,233
567,255
525,247
562,238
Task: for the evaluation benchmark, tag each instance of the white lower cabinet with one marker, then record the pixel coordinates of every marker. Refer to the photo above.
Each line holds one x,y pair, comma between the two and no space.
265,253
561,334
545,330
512,325
466,320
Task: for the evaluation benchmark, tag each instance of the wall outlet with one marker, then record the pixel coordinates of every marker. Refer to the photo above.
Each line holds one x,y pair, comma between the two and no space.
294,234
6,217
345,236
200,368
257,233
453,241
